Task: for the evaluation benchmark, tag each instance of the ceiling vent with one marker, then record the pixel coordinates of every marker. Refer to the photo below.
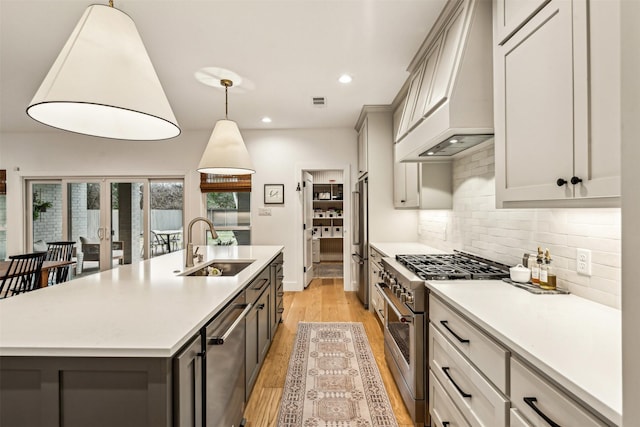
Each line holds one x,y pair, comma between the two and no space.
319,101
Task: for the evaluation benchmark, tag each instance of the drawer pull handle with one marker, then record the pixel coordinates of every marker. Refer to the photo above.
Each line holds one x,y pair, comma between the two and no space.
445,423
262,283
462,393
445,324
531,402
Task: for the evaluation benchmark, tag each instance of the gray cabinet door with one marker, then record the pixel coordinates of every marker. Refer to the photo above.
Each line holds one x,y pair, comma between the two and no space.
251,351
187,372
264,325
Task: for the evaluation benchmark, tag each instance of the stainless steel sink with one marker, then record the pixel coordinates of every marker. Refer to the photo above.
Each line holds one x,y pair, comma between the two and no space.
228,268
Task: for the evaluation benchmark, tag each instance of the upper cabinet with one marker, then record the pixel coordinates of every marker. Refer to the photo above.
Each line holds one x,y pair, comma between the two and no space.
363,139
406,179
510,15
450,87
421,185
557,105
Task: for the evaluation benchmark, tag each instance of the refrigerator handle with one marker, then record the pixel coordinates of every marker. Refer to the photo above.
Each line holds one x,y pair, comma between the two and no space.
355,229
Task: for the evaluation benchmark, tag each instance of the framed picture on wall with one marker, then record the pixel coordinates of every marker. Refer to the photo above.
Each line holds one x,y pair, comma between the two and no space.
274,194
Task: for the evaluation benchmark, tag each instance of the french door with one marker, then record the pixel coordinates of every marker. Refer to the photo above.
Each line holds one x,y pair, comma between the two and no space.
108,218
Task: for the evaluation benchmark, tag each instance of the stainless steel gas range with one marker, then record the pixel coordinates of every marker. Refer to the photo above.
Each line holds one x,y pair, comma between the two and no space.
406,313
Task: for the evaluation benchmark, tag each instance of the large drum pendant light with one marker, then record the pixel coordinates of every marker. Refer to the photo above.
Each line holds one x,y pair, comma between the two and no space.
226,153
103,83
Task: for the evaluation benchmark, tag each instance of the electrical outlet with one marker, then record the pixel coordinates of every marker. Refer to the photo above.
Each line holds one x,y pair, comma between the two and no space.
583,262
264,212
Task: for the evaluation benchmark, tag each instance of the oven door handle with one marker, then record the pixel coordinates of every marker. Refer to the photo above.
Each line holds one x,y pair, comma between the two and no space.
404,318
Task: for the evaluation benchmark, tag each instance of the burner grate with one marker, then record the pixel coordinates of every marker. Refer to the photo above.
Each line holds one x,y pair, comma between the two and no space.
452,266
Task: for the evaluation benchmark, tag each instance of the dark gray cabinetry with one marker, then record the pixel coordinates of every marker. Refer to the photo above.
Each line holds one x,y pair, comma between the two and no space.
277,276
85,391
258,325
187,385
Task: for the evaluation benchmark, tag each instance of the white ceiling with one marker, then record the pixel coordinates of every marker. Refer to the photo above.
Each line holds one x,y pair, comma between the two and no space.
291,51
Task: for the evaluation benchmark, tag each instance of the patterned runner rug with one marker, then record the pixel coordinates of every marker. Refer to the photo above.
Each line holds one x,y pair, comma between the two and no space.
333,380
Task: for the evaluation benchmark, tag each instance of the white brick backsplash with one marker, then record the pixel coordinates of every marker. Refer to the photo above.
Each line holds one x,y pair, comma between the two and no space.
474,225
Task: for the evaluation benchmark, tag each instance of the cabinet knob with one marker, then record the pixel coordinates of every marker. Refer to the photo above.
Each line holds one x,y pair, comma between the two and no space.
402,201
575,180
260,306
561,182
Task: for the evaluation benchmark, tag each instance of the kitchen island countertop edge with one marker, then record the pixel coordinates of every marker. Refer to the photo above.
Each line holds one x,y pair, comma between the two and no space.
144,309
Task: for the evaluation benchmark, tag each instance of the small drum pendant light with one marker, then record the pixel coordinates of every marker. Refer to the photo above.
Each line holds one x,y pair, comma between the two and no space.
226,153
104,84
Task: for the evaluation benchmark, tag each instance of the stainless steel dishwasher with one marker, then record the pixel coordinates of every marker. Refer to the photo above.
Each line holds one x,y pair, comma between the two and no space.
224,374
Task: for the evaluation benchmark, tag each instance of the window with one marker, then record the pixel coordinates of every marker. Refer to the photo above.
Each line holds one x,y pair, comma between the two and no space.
230,213
228,199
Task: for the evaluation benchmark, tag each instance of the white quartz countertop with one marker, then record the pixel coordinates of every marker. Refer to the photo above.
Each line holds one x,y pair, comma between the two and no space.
138,310
404,248
574,341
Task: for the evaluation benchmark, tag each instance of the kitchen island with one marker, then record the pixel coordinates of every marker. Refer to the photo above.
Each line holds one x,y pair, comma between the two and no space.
112,337
567,346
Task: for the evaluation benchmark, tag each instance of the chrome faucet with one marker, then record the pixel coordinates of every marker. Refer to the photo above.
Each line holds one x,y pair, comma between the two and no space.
190,255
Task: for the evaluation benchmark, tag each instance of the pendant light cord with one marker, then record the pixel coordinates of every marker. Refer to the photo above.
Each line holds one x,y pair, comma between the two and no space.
226,83
226,102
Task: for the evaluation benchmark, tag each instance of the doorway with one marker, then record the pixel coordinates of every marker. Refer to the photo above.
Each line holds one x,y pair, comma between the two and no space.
324,219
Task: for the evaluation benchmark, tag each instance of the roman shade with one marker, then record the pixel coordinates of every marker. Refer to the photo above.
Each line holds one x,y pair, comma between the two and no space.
210,183
3,182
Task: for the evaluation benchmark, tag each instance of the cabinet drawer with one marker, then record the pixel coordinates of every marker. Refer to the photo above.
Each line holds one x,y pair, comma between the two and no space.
377,303
475,397
481,350
516,420
442,408
528,386
258,285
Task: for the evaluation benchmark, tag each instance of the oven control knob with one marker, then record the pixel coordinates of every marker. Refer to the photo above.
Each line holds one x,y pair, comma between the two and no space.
403,297
399,292
409,298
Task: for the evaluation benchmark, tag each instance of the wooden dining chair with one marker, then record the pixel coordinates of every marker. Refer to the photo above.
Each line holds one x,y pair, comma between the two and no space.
59,251
23,274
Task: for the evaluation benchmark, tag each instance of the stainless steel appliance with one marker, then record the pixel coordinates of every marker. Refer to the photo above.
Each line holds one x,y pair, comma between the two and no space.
361,239
224,373
402,285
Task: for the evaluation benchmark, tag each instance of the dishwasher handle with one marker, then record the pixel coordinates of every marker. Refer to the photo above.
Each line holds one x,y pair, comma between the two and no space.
220,339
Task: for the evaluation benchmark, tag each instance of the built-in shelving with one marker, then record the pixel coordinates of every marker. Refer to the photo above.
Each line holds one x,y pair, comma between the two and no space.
328,217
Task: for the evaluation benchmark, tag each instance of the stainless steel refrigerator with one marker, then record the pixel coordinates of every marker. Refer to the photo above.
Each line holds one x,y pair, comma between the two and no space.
361,240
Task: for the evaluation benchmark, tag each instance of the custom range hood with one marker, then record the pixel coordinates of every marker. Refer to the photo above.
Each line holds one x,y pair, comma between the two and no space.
449,103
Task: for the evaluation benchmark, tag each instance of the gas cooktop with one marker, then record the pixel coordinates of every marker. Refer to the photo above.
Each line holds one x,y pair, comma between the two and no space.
459,265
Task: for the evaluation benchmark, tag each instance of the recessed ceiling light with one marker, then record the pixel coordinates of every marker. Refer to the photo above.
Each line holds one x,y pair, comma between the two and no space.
430,153
266,120
345,78
453,141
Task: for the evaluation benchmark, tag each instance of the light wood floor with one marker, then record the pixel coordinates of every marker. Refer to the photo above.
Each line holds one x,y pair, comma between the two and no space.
323,301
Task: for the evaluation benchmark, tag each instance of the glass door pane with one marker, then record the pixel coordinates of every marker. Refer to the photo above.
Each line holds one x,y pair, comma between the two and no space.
84,224
166,223
46,214
126,224
3,226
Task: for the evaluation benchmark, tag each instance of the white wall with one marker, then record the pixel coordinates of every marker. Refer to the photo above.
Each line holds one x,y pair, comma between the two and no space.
278,157
275,155
474,225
